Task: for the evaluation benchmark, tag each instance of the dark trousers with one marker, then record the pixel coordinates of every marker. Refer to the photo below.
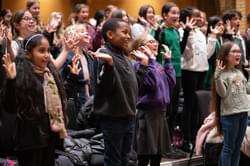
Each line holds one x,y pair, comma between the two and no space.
118,135
173,106
37,157
143,160
191,82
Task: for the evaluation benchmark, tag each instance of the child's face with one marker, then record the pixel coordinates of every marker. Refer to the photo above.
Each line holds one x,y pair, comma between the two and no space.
197,17
8,16
152,44
203,18
172,17
121,36
233,58
35,9
40,54
221,27
235,23
83,15
150,14
125,16
27,24
82,35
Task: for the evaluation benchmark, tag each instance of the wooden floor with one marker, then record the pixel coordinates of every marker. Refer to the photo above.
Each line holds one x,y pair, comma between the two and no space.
195,161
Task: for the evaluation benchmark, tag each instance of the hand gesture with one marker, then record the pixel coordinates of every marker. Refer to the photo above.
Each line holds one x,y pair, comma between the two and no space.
103,56
154,22
142,57
71,42
143,21
248,67
53,24
146,50
229,28
190,23
167,52
219,64
9,66
216,30
74,67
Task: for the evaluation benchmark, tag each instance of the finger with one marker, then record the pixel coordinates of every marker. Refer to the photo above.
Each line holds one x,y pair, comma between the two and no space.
78,64
14,66
92,53
165,47
79,69
193,22
70,67
211,28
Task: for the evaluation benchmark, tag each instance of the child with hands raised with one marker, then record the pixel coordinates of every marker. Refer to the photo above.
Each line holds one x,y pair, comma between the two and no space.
230,102
116,91
154,96
34,91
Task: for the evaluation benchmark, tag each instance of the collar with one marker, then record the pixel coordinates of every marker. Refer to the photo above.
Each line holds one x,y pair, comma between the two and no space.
114,48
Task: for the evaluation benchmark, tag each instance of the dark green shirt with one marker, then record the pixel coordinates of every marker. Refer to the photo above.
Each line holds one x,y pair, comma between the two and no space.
171,38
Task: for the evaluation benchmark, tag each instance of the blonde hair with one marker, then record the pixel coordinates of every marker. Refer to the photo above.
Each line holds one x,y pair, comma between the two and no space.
74,30
140,41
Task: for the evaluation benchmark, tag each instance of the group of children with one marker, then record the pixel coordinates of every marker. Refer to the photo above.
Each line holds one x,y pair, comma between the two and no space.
136,80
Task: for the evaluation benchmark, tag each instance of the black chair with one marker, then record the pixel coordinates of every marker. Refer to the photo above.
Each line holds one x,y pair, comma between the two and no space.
201,111
202,101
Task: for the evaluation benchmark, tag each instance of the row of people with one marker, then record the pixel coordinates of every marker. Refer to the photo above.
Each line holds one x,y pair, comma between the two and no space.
193,47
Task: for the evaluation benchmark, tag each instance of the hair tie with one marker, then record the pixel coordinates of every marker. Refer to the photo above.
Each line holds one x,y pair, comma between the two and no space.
32,37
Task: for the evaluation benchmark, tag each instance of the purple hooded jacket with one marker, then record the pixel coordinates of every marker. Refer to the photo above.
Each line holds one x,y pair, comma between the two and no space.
158,82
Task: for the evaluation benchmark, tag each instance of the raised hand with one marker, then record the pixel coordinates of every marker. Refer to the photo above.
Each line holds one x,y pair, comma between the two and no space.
53,24
190,23
105,57
167,52
154,22
216,30
219,64
74,67
229,28
143,21
142,57
146,50
71,42
9,66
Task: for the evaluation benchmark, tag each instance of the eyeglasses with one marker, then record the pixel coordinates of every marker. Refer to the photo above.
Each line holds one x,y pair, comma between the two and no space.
235,51
150,42
27,18
8,15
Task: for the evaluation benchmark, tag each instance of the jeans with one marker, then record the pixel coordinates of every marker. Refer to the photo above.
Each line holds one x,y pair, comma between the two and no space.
234,128
118,136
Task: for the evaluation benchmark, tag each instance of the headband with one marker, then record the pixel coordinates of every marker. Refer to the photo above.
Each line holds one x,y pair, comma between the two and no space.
32,37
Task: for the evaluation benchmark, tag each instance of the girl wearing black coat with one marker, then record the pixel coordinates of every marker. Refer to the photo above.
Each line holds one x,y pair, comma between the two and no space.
34,91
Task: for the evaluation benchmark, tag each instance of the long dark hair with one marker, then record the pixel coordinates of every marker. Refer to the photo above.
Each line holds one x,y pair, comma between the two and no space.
215,107
212,21
29,84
